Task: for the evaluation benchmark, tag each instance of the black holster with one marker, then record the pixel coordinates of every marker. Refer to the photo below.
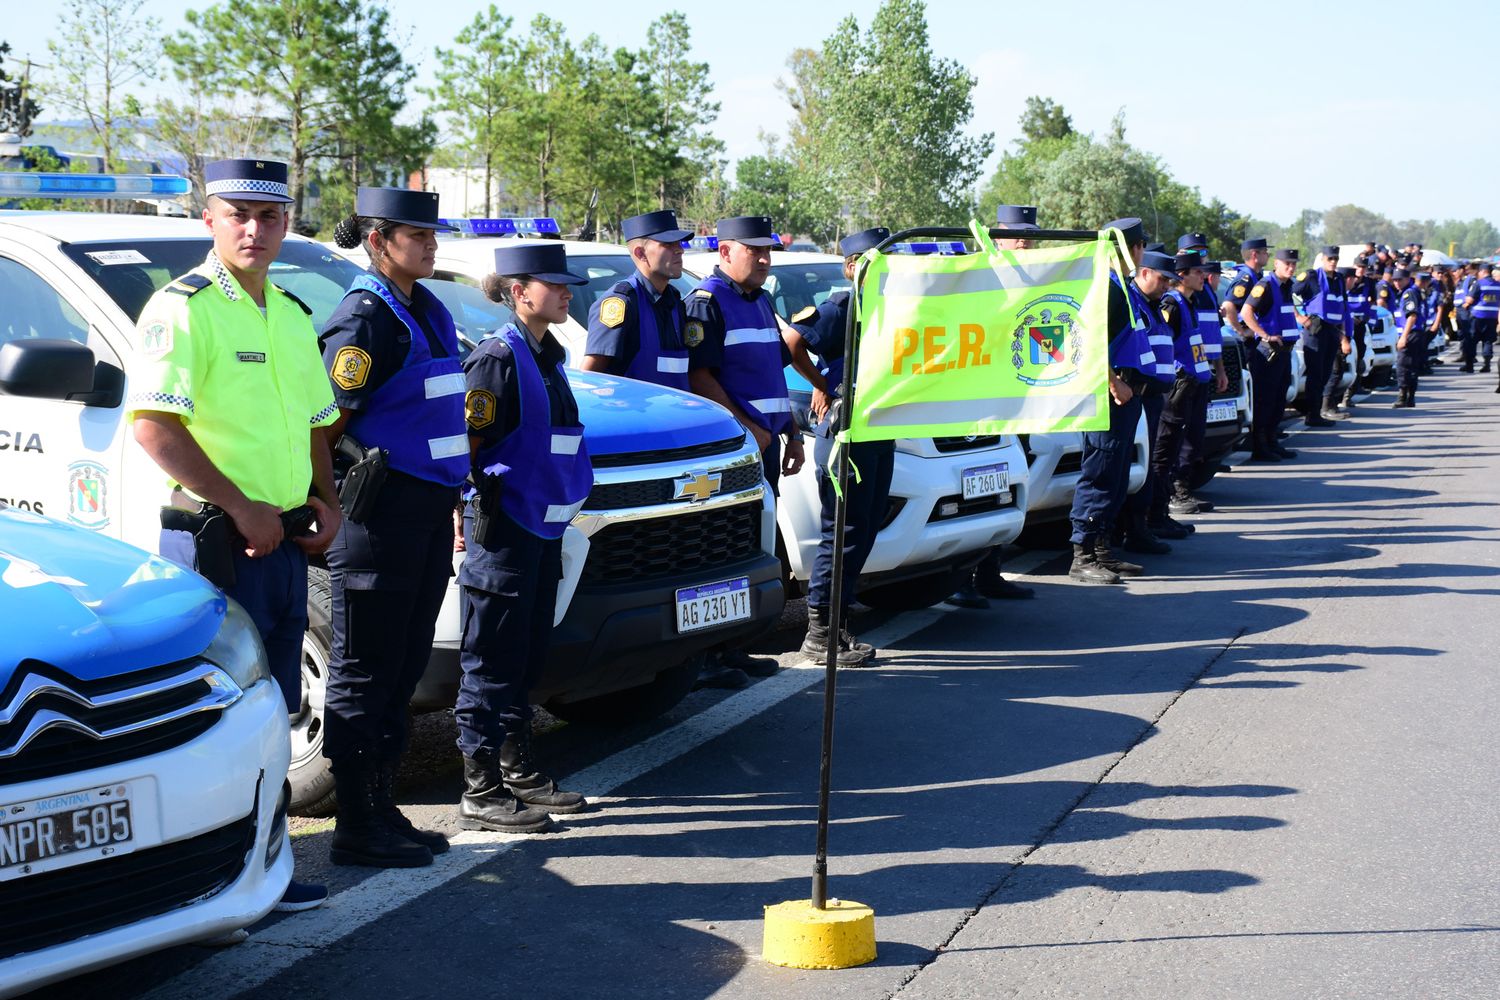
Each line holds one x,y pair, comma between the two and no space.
363,479
486,504
214,540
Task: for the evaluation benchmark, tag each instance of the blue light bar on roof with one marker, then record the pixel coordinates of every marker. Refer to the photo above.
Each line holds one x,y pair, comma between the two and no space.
948,247
15,184
701,243
504,227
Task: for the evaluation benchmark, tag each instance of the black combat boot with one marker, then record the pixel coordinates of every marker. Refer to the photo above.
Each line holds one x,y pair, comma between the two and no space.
989,582
1086,565
1263,450
385,804
1183,501
488,805
1141,538
1485,368
525,782
851,652
967,595
361,835
1105,556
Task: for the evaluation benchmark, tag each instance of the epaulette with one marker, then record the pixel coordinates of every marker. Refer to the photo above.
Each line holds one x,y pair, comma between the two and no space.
189,285
703,293
294,298
803,315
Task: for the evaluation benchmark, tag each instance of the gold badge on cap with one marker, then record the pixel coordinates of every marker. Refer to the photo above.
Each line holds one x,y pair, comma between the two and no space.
351,368
693,334
479,408
612,311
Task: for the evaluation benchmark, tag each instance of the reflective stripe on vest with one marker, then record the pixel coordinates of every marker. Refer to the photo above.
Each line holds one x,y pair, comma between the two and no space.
545,470
408,414
1187,347
1486,299
1159,338
1128,348
1209,322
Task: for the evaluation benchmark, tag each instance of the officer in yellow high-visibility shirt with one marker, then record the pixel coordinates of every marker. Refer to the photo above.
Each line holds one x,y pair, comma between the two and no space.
229,396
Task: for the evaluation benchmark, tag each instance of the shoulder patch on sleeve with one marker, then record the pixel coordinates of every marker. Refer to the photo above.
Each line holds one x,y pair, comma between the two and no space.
1238,291
188,285
479,408
702,293
156,340
351,368
612,311
300,304
692,334
1257,291
1301,276
803,315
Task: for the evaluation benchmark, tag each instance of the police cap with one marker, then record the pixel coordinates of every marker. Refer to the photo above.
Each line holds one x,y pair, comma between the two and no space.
1192,241
1331,251
857,243
410,208
660,226
1133,229
1399,272
1158,261
751,230
1346,272
1156,247
1188,259
1016,217
1258,243
247,180
1288,253
543,260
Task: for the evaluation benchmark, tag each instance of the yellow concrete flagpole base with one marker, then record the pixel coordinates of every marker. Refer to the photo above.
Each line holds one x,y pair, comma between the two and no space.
800,936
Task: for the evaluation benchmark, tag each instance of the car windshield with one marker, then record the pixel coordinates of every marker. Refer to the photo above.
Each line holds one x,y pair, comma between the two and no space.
603,270
794,287
130,271
473,313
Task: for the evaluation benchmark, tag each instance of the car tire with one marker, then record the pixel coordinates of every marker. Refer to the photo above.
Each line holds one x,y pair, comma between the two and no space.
310,776
912,594
633,705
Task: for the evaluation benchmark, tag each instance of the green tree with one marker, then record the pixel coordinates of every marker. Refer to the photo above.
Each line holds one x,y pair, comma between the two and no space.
776,185
887,120
106,48
1046,132
678,142
1091,182
17,109
1353,224
478,82
1044,119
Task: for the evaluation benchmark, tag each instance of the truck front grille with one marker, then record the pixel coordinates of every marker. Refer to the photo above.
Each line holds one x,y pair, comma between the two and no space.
1234,368
658,547
650,492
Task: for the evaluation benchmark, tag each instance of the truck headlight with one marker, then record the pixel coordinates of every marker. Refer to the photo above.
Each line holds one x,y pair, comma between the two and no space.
237,649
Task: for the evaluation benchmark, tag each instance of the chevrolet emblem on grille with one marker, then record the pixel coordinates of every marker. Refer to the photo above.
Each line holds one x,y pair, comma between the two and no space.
697,486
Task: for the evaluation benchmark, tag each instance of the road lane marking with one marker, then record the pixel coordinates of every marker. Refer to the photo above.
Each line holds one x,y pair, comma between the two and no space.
271,950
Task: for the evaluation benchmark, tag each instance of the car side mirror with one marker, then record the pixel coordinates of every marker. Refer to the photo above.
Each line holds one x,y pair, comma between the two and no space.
46,369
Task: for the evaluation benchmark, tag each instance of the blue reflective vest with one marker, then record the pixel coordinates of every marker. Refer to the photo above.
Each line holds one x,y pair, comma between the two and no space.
417,416
1281,319
1462,292
1159,338
751,371
1129,348
1359,302
545,471
1210,323
1486,299
1187,347
1330,304
660,356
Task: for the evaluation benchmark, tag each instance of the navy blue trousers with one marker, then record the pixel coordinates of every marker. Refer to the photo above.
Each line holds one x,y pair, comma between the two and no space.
1104,478
1192,454
507,602
389,576
1271,378
1139,503
867,502
273,591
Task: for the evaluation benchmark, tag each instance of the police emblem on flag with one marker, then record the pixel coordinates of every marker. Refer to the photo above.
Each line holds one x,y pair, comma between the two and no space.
1044,346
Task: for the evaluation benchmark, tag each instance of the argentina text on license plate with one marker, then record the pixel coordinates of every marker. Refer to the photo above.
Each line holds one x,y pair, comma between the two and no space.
713,604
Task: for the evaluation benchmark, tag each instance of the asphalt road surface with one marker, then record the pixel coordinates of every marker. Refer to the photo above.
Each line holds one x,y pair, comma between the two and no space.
1266,770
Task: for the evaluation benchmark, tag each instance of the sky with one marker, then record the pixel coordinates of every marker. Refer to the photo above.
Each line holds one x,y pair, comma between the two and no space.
1319,117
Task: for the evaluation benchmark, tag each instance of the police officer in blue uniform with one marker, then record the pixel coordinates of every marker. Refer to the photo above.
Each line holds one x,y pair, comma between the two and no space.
1269,318
392,354
1325,335
1205,303
820,329
735,351
987,580
1359,314
636,330
1484,306
1142,526
1462,293
1411,337
531,474
1104,475
1431,294
1189,390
